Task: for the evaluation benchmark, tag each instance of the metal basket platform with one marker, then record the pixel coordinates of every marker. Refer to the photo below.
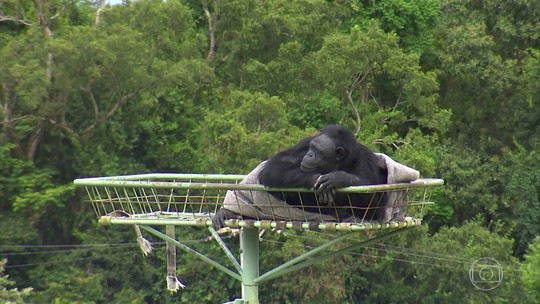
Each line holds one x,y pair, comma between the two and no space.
172,200
192,199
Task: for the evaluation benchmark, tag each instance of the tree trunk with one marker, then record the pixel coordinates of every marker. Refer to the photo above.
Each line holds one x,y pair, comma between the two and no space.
101,6
212,19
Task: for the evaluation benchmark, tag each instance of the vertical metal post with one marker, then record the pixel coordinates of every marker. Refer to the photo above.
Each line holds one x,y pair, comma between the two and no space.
172,281
249,258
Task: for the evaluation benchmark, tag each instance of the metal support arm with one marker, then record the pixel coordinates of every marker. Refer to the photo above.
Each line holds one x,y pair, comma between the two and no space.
290,267
199,255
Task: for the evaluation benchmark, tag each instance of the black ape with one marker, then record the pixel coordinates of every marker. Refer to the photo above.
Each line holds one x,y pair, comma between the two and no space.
332,159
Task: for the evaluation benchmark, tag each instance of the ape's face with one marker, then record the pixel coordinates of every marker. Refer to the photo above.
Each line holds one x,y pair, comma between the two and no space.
323,155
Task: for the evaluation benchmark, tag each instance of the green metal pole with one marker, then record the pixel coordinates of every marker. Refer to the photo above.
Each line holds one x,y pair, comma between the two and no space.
225,249
249,258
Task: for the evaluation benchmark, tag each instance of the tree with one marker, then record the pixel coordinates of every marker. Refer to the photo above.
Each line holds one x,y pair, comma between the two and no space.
246,129
447,87
486,69
523,198
10,295
435,269
412,21
530,270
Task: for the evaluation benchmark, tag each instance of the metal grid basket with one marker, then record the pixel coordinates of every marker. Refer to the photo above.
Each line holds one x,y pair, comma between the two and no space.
192,199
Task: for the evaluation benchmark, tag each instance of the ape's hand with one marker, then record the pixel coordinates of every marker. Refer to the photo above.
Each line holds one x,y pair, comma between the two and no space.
218,221
333,180
327,198
326,185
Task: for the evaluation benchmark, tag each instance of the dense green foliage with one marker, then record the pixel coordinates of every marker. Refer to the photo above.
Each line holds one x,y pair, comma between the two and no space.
448,87
7,293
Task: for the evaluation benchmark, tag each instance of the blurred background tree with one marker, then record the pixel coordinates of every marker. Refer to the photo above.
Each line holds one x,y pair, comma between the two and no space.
93,89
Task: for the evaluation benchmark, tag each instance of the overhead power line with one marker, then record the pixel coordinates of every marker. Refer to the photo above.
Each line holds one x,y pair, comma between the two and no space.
429,259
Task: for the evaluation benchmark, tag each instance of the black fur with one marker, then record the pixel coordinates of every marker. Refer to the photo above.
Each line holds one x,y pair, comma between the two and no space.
359,166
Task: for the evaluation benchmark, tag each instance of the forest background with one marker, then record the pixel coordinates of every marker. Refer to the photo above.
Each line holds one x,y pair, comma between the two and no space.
449,87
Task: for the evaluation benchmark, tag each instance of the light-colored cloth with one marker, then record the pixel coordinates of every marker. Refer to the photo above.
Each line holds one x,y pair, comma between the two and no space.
263,206
396,201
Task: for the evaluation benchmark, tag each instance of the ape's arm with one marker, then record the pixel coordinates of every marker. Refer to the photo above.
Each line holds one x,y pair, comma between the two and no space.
338,179
279,174
283,169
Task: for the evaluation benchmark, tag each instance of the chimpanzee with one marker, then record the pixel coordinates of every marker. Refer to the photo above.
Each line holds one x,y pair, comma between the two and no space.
328,160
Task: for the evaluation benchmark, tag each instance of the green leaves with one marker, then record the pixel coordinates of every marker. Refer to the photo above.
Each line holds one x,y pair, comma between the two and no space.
8,294
530,270
447,87
246,130
41,194
522,192
412,21
29,188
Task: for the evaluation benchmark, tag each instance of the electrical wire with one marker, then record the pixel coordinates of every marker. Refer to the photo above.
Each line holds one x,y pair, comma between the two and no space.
427,256
62,261
414,254
86,247
64,246
401,248
401,251
404,250
76,249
